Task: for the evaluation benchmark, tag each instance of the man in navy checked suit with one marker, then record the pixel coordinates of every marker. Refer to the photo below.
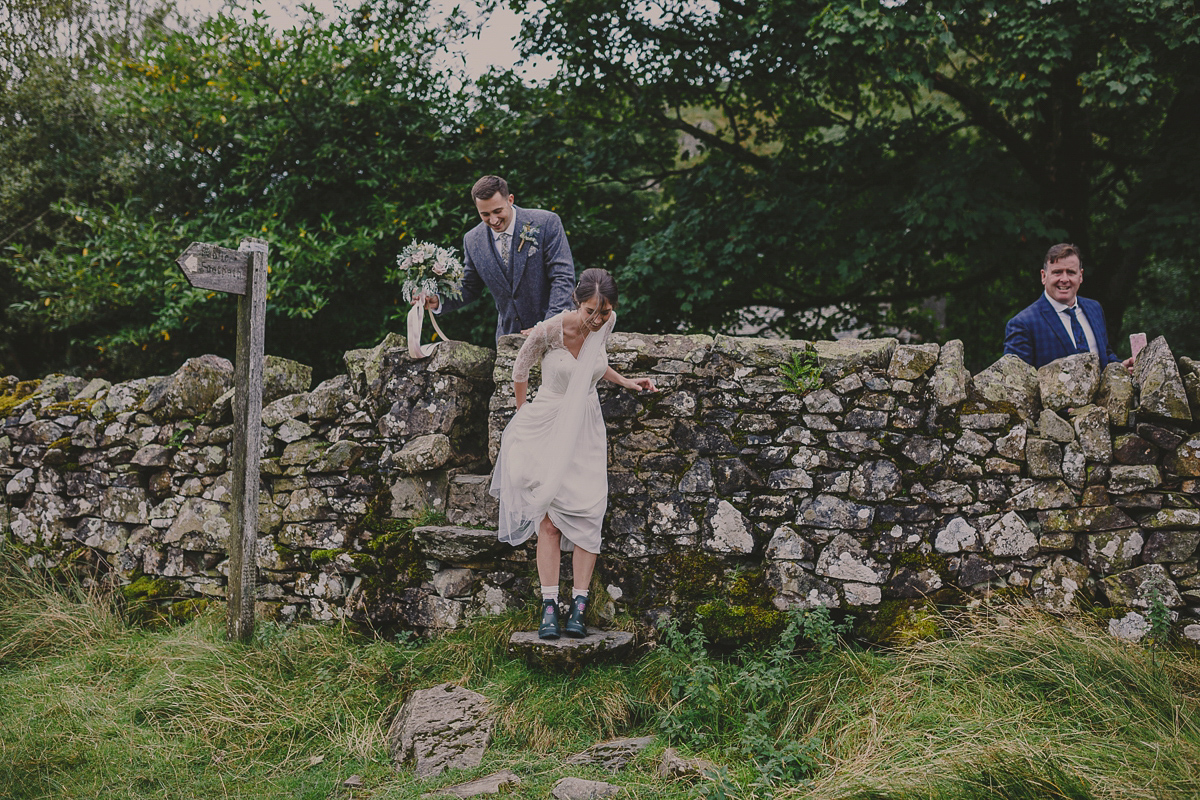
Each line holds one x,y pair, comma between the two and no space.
1060,323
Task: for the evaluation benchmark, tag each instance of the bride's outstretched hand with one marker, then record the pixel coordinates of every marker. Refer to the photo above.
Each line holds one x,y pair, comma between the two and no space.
643,385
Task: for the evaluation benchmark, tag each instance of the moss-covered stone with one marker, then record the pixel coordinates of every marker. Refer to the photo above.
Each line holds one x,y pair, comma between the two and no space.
149,601
319,557
147,587
921,561
390,564
733,625
900,622
19,394
67,408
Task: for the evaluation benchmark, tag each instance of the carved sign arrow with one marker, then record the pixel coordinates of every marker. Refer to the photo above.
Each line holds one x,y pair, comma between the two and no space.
207,266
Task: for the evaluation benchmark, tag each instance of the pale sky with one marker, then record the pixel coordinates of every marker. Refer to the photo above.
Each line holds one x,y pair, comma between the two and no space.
494,47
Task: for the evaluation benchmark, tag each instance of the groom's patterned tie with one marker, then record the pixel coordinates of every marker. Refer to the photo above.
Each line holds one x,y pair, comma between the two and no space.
506,251
1081,345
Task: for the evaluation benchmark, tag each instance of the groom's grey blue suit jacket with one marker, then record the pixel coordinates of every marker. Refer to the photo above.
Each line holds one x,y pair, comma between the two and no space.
542,276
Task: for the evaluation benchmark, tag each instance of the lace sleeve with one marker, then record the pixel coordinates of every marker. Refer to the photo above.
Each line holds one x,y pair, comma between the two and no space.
536,345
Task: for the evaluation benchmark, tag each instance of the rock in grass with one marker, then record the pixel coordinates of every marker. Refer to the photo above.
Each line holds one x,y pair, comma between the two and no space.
490,784
579,789
675,767
446,727
612,755
1132,627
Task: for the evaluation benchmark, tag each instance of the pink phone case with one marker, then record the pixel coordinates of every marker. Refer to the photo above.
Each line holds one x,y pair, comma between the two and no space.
1136,342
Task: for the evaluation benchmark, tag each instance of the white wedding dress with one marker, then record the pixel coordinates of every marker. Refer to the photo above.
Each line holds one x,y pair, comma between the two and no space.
553,458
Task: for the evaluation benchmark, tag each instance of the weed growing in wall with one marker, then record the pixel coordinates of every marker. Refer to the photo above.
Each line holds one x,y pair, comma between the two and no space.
1160,624
802,374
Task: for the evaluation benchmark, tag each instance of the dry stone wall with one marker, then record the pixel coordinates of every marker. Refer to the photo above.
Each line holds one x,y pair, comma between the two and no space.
902,480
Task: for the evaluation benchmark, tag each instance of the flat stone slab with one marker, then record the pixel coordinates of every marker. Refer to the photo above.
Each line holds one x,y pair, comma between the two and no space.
457,544
489,784
612,755
579,789
566,654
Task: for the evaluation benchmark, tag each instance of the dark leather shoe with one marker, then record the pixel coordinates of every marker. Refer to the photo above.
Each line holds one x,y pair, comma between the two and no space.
549,627
575,628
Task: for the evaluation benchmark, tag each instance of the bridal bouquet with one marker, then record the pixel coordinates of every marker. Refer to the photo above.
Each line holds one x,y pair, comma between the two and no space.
427,268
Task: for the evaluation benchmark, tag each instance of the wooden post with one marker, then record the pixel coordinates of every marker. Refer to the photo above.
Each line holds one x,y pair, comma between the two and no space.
247,442
242,272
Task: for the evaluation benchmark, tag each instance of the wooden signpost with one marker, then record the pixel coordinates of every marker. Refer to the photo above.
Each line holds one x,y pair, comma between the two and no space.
242,272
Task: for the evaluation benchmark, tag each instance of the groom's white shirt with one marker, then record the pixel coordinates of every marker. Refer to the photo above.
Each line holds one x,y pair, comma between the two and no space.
512,220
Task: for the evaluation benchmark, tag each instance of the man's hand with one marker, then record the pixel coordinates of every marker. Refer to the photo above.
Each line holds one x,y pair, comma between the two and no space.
1128,364
431,300
527,331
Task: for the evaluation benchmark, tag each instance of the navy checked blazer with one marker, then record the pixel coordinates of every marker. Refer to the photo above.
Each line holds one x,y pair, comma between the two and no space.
1038,336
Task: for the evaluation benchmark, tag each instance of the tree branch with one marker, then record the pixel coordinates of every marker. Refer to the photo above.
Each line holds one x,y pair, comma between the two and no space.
991,120
641,181
741,154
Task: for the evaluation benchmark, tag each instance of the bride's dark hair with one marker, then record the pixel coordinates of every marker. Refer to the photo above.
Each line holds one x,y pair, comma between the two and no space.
595,282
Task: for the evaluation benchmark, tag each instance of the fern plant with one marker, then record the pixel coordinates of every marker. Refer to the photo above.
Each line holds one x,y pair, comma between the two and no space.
802,373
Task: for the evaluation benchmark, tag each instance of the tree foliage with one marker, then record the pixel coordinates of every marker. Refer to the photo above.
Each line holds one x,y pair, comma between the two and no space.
850,160
794,166
339,141
322,140
58,141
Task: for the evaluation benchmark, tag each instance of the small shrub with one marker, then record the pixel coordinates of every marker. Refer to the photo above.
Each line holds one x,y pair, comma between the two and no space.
802,374
744,706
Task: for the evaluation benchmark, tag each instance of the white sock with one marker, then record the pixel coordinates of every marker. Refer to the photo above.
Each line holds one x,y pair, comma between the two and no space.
550,593
580,593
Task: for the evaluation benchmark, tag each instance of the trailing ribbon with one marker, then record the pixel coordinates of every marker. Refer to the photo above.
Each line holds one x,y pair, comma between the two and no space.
416,321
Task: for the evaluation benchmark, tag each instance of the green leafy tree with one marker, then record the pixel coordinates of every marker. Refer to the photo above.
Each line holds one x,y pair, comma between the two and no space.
58,142
333,140
843,163
337,141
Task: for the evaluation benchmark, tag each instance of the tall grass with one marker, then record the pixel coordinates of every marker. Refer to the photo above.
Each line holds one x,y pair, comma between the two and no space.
1014,706
1007,706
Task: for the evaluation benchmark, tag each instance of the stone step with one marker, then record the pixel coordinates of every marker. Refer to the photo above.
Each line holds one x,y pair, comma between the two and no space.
567,654
456,544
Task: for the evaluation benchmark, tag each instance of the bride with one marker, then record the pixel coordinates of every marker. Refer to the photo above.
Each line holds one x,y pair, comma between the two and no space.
551,476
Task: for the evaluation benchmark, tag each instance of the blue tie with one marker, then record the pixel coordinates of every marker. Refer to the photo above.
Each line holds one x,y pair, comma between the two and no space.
1081,345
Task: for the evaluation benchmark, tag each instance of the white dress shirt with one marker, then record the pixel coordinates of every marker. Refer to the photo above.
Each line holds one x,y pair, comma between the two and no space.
512,221
1065,319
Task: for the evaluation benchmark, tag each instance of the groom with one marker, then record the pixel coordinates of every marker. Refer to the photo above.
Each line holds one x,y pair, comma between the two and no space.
520,254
